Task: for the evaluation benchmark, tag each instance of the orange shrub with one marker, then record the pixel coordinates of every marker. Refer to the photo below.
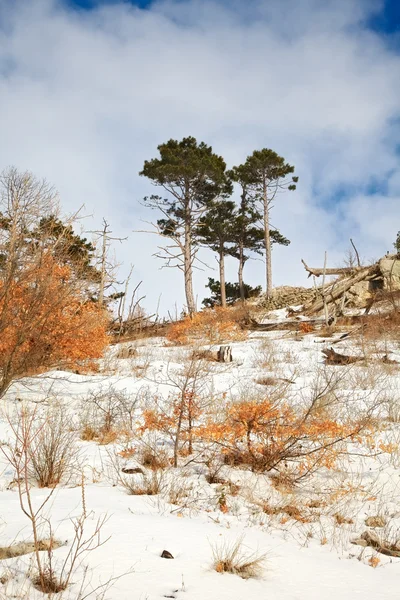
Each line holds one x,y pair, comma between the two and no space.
306,327
268,434
212,325
45,321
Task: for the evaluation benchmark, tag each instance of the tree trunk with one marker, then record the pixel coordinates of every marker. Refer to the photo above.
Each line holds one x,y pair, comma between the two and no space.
178,434
188,270
338,271
240,273
342,287
103,265
267,241
222,277
224,354
190,423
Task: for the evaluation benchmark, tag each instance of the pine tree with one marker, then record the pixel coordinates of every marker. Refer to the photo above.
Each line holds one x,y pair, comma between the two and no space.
267,174
193,177
397,243
215,230
248,234
67,246
233,292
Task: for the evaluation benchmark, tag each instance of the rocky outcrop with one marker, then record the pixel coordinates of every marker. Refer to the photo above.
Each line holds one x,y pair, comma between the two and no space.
390,270
288,296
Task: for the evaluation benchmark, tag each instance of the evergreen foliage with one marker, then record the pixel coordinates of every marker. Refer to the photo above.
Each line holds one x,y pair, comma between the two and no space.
232,292
193,177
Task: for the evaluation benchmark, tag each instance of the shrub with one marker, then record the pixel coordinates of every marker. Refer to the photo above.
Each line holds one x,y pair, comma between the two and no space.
267,434
45,322
306,327
154,458
143,484
106,414
212,325
53,453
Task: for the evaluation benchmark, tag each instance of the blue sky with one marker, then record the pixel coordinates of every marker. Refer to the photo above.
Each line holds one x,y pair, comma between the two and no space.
387,21
90,4
88,89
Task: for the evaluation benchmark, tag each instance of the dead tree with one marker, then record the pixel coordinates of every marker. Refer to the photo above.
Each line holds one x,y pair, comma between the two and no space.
107,267
336,271
339,287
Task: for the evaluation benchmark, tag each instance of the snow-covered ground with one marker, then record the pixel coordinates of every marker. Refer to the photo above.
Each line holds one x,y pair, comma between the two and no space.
308,548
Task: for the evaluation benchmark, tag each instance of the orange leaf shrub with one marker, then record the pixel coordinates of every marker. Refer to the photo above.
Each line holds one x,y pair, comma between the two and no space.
306,327
45,320
211,325
268,434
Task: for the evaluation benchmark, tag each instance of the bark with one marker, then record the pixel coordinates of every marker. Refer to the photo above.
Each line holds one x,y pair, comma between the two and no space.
240,272
188,270
224,354
178,433
103,266
267,241
190,424
222,277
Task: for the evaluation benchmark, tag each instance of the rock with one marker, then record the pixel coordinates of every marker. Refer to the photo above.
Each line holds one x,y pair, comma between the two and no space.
376,521
390,269
166,554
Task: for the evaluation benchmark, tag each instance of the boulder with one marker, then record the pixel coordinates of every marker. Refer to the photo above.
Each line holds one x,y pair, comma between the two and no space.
390,269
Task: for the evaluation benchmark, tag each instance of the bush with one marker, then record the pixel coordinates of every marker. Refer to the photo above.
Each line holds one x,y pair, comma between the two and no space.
267,434
53,453
212,325
106,414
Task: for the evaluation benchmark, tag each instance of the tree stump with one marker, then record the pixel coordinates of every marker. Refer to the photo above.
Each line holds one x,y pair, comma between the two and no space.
224,354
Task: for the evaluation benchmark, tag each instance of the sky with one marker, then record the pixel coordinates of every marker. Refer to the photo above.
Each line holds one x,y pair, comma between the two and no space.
88,89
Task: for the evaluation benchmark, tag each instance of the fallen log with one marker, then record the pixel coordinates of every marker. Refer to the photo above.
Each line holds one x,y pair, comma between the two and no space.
334,358
370,538
337,271
341,287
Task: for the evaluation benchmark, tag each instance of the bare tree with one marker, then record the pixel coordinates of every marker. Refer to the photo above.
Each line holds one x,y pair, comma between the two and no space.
107,267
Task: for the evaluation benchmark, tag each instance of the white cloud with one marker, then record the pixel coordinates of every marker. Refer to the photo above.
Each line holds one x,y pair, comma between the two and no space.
86,97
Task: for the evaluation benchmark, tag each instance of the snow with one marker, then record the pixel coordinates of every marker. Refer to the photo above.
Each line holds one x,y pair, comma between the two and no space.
313,559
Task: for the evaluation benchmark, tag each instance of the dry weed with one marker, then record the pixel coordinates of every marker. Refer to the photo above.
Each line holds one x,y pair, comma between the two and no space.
235,559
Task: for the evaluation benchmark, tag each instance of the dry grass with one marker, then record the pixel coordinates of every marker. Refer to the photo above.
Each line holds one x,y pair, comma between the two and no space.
144,484
268,381
48,583
235,559
154,459
342,520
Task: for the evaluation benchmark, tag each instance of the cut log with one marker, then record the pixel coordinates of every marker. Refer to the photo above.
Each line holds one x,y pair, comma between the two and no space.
334,358
341,287
224,354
